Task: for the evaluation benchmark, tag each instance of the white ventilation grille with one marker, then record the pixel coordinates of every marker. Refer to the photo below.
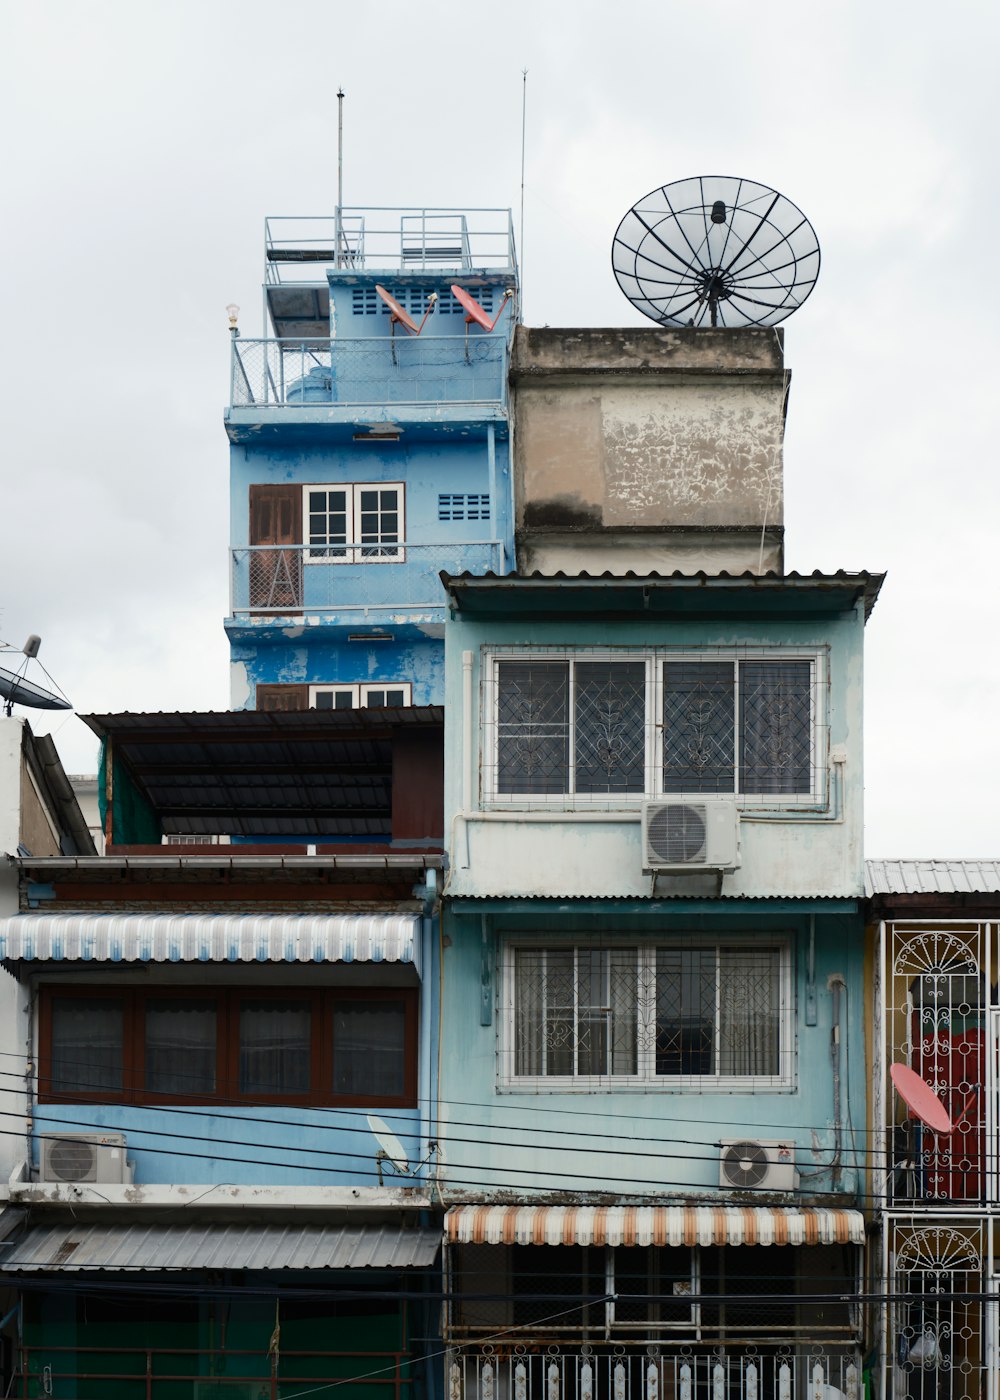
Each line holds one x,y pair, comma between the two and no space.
467,507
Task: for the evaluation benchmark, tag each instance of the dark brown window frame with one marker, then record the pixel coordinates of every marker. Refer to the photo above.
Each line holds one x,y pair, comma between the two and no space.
321,1000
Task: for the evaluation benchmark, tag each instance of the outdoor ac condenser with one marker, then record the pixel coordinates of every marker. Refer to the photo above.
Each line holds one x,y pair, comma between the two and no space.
84,1157
690,836
756,1164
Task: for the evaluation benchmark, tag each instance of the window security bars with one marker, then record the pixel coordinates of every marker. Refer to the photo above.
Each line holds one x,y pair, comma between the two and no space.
369,372
936,1341
654,1015
589,727
940,1017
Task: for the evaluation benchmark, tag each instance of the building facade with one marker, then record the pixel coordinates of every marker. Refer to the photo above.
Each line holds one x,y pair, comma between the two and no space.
934,936
652,1017
369,449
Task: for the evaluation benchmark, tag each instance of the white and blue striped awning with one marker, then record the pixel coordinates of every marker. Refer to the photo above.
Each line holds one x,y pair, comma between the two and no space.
160,937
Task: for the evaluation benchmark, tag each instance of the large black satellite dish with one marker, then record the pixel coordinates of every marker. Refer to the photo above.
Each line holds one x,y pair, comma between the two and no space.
715,250
15,689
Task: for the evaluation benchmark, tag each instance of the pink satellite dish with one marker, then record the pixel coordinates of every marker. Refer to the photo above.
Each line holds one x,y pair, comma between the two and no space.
920,1098
398,314
474,311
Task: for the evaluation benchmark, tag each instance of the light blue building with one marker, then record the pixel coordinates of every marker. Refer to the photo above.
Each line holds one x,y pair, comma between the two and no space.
366,457
653,1064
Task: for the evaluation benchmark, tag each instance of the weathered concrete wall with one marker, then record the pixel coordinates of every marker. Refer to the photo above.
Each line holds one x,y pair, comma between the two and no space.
674,431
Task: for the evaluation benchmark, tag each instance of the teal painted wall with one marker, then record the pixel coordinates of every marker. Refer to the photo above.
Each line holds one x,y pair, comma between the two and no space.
644,1141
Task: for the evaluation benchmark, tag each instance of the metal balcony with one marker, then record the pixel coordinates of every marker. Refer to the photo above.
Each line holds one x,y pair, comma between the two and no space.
771,1373
399,372
351,578
383,239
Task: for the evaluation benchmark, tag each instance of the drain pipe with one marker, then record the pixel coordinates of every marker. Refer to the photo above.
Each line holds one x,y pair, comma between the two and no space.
837,985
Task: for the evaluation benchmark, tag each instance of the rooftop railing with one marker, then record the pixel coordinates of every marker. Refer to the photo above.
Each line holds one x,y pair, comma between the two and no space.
380,370
386,239
350,577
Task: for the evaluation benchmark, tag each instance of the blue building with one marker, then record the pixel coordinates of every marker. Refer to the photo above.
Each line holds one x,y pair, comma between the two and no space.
366,457
226,1120
653,970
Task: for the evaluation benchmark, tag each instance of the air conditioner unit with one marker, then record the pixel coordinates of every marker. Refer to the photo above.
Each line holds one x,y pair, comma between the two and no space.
753,1164
680,836
84,1157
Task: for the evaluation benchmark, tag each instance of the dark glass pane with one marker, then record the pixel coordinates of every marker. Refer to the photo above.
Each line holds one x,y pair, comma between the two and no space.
653,1284
533,726
685,1010
369,500
317,500
87,1045
395,699
776,726
369,1049
610,711
344,700
698,740
275,1047
376,700
180,1047
324,700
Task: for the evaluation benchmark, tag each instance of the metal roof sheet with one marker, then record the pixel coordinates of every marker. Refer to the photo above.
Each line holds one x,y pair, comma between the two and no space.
252,724
652,1225
165,937
74,1246
835,590
932,877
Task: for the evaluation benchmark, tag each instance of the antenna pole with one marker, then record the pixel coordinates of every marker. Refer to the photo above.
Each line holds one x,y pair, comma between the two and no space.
340,177
524,115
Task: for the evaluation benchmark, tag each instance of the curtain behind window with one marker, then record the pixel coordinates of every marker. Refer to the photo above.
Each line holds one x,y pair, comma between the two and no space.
87,1045
275,1044
749,1009
180,1047
369,1058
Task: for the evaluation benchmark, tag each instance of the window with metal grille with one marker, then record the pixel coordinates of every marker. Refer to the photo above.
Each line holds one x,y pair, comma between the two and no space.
591,725
354,524
463,507
672,1014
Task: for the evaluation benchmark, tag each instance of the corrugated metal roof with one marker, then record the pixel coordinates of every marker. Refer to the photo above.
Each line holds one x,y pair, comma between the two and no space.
652,1225
861,583
932,877
74,1246
161,937
250,724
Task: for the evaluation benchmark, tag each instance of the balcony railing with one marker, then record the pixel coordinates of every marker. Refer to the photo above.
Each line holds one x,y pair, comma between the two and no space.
385,239
769,1374
379,370
268,579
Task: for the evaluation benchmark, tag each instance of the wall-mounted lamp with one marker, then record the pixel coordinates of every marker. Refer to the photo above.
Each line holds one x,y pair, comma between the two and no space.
233,312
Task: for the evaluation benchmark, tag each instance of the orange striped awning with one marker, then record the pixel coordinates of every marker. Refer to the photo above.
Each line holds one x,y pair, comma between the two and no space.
652,1225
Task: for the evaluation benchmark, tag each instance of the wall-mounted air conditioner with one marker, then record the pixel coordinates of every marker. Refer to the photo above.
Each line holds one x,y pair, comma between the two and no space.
696,835
83,1157
756,1164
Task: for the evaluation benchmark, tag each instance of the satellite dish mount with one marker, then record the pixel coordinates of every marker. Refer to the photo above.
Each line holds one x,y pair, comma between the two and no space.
16,689
398,315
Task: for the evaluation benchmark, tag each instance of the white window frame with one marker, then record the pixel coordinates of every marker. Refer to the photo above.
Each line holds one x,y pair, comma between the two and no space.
360,694
353,551
646,1080
654,657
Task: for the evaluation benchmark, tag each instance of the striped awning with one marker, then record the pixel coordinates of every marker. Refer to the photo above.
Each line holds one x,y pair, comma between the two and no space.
652,1225
164,937
118,1247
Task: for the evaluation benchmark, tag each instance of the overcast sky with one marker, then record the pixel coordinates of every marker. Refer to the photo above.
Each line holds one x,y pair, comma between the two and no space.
146,142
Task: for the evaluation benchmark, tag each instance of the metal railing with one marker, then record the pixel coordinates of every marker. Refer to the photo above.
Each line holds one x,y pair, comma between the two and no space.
377,370
130,1372
382,238
381,577
771,1374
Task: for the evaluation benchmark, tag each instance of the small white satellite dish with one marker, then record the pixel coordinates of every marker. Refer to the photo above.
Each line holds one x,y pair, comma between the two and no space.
390,1149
